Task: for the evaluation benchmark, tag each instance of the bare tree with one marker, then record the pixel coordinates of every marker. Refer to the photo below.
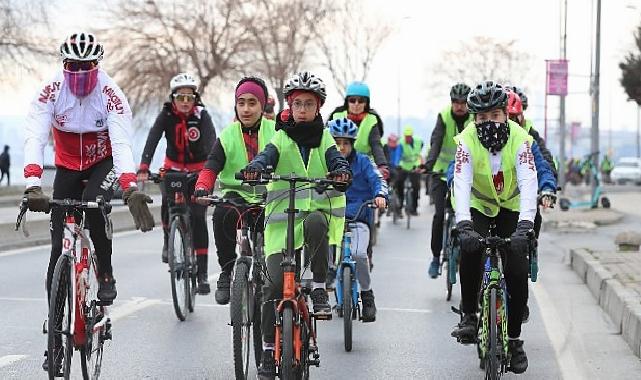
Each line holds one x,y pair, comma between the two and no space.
22,37
282,32
151,41
479,59
349,41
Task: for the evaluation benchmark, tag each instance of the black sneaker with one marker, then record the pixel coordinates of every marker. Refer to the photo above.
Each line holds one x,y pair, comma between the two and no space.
369,307
526,314
465,331
107,288
518,359
164,256
222,288
331,276
321,301
58,364
203,284
267,368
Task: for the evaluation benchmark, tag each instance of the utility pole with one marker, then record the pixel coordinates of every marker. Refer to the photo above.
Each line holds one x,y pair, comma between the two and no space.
562,159
595,93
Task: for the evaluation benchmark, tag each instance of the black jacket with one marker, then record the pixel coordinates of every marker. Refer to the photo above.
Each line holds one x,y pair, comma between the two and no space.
436,141
200,142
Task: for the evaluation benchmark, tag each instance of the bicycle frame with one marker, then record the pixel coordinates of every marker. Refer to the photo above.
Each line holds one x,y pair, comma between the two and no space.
346,260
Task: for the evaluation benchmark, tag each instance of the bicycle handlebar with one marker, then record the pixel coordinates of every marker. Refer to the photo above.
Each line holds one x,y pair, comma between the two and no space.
67,204
264,177
369,204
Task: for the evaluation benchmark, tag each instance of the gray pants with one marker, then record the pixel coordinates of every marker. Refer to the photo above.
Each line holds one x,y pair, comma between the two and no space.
316,249
360,241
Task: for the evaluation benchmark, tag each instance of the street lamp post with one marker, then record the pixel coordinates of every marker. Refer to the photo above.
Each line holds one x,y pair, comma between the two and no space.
595,93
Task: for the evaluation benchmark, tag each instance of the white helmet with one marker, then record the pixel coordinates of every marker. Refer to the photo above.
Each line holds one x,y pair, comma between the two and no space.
81,47
183,80
308,82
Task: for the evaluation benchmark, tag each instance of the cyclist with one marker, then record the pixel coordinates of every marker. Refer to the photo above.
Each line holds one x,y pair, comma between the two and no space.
411,160
358,109
366,185
269,113
495,181
93,147
190,134
308,150
449,123
393,152
237,145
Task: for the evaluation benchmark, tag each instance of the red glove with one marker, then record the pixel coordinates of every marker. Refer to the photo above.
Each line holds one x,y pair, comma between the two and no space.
384,171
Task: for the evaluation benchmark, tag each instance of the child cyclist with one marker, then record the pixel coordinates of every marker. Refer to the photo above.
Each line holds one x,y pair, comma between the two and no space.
366,184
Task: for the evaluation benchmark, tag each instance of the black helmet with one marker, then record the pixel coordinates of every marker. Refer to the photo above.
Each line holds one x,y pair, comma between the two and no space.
459,91
487,96
521,95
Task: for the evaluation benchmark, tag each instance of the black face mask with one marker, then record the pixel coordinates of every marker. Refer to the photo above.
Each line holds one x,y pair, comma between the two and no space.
493,135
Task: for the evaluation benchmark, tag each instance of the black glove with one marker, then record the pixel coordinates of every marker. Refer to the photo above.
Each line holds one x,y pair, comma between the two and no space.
137,202
36,200
337,174
470,240
520,241
201,193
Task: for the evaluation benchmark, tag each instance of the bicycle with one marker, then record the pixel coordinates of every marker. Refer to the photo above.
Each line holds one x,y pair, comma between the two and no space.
451,251
347,289
180,252
410,206
246,286
77,319
295,345
394,205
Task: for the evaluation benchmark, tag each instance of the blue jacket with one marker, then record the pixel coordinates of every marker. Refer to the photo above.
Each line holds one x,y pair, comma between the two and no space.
544,174
367,183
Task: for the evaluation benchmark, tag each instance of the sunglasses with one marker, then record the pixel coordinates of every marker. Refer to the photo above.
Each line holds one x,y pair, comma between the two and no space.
80,65
184,97
355,100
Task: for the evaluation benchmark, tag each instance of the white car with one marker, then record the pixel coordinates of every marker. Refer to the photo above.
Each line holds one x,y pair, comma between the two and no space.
627,169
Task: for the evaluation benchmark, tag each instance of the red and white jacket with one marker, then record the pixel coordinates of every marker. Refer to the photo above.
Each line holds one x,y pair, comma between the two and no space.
85,130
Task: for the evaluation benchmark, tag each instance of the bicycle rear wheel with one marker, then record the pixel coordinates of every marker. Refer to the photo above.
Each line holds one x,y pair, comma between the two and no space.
241,320
179,274
91,352
347,307
258,298
492,355
60,339
287,344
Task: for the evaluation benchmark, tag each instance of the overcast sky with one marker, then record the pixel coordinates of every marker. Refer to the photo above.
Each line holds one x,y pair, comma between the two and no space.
430,27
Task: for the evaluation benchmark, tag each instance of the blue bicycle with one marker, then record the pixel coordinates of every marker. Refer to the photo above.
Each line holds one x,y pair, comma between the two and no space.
347,288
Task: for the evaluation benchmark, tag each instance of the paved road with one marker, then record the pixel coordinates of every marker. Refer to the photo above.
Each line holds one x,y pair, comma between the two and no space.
568,336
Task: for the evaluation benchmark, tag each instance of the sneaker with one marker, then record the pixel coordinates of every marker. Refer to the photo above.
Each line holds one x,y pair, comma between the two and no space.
107,288
434,267
222,288
465,331
369,307
58,364
518,359
321,301
165,256
526,314
267,368
203,284
331,276
414,213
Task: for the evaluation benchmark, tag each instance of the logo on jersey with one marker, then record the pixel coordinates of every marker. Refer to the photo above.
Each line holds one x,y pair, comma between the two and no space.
61,120
114,104
193,134
49,92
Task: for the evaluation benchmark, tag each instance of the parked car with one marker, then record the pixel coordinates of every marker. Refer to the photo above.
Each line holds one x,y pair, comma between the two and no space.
627,169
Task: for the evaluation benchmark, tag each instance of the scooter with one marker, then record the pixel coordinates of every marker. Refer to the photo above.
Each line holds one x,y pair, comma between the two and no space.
597,192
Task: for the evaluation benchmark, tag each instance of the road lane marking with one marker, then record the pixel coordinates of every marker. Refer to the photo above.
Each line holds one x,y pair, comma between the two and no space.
403,310
557,333
135,305
10,359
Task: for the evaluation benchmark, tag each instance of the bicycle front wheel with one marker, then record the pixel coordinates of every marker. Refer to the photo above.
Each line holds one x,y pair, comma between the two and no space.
91,352
492,355
347,306
287,345
60,330
178,269
241,320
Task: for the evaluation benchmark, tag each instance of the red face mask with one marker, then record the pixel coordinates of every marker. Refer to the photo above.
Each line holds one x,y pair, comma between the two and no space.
81,83
408,139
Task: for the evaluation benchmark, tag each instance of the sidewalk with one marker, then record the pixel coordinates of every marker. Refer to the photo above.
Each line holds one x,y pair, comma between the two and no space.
613,278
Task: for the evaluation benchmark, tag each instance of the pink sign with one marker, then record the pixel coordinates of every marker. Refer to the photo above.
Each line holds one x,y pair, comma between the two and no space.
557,77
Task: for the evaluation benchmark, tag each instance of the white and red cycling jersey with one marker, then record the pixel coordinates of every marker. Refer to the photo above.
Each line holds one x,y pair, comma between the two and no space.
85,130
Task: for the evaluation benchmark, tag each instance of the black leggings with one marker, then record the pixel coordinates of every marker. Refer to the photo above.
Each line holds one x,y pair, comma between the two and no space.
438,192
515,267
69,184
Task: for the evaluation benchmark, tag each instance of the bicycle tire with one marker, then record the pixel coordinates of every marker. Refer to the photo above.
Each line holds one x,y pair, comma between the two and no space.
193,273
257,276
179,277
492,364
348,304
446,258
287,344
91,353
240,311
395,208
61,296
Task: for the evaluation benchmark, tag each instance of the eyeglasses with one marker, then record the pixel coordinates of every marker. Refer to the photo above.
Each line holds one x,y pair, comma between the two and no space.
308,106
80,65
356,99
184,97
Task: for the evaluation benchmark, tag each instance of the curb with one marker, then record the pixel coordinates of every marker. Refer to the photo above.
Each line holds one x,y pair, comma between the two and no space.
620,303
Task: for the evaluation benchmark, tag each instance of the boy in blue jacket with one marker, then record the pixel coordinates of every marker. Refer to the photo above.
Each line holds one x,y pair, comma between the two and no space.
367,183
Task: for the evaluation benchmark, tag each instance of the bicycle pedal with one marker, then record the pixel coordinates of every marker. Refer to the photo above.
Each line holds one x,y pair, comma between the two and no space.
104,303
314,362
323,316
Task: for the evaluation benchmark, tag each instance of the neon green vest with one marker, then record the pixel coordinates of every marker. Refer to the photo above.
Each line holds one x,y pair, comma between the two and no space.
448,149
484,196
364,129
411,157
332,203
233,144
